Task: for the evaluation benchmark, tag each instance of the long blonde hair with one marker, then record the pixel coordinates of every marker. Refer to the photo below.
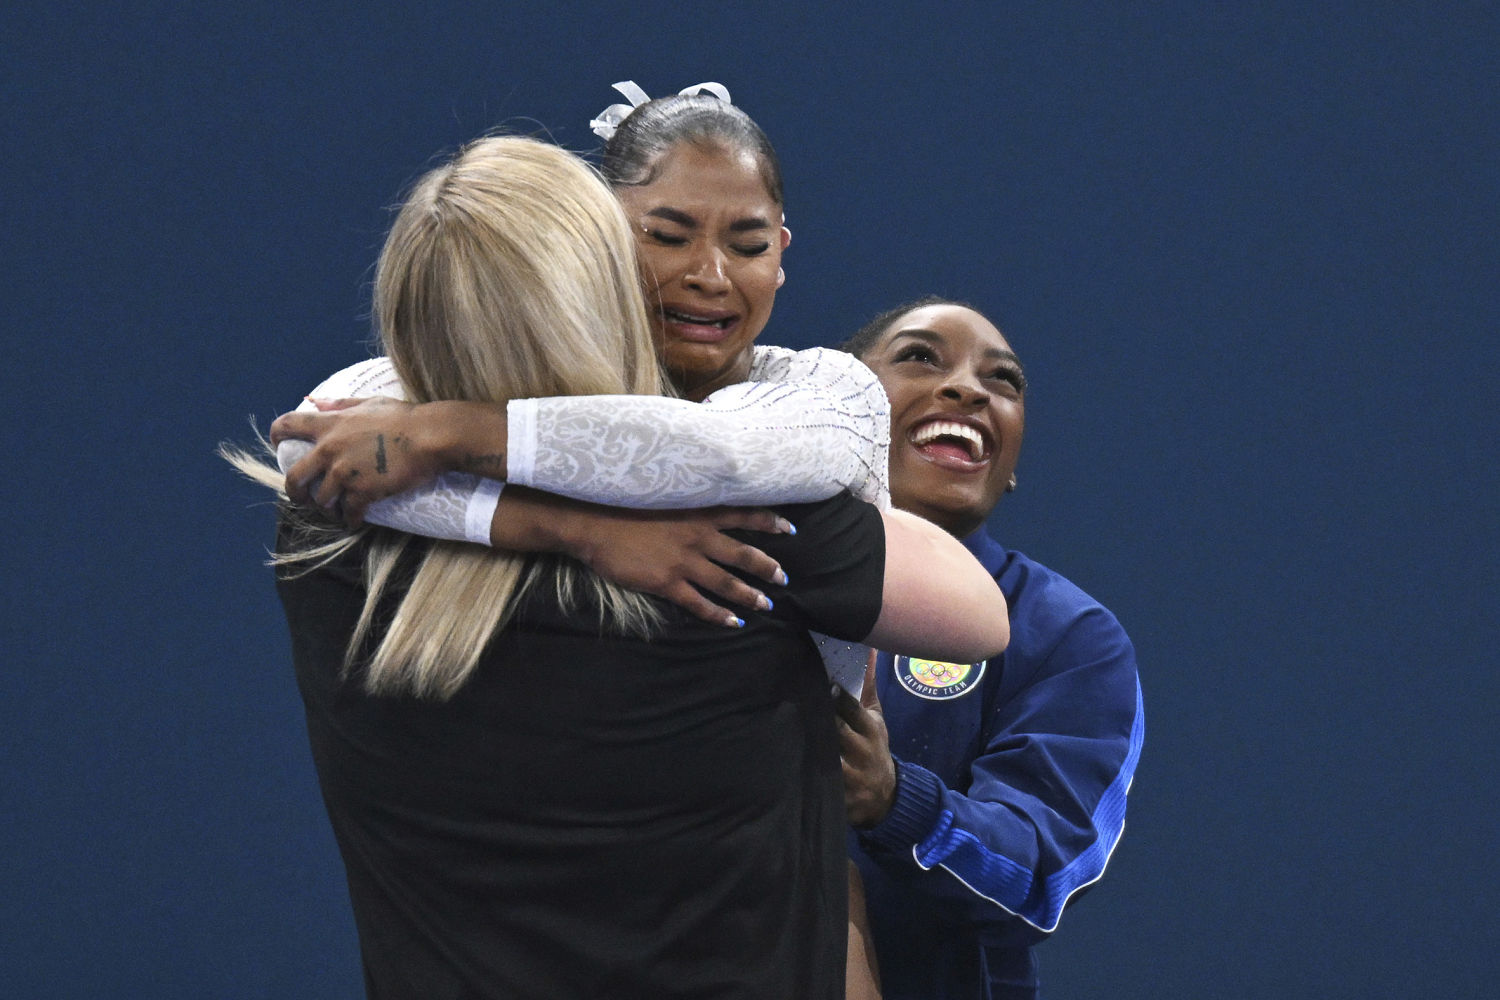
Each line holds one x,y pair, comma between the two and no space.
509,272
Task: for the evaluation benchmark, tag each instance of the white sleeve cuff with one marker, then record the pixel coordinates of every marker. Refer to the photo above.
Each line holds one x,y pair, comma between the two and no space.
520,442
481,511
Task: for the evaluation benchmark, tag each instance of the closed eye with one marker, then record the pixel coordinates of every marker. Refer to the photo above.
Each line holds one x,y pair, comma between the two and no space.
751,249
666,239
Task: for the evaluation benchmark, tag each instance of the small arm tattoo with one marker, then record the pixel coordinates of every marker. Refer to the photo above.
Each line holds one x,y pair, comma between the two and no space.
380,453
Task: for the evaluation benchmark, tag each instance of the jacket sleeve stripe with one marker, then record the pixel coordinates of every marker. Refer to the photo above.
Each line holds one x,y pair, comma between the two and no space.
1013,887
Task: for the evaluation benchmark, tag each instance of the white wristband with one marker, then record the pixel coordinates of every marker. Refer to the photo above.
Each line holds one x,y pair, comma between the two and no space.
481,511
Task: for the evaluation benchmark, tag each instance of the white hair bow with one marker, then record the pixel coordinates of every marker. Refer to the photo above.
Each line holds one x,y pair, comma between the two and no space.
610,118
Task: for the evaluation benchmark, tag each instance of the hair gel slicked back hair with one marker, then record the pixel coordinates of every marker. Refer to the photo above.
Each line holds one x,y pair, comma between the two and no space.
631,155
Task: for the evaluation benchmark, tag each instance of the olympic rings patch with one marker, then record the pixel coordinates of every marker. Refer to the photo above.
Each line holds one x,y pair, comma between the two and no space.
936,680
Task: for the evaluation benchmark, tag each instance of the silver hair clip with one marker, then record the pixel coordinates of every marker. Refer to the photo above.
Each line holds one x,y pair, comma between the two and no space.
610,118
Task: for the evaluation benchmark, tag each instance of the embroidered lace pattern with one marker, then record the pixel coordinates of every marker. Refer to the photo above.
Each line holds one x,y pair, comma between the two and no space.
806,425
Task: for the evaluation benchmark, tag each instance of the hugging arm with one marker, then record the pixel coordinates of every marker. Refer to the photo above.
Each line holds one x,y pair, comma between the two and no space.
888,579
366,453
679,555
807,425
813,423
938,600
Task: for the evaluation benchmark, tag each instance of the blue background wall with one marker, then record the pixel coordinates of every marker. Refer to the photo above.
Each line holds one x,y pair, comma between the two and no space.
1248,253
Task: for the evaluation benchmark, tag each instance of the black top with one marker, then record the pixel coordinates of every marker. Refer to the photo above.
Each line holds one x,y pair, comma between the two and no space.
601,817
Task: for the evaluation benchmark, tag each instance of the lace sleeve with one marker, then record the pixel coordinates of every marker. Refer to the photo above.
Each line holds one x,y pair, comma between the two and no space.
809,424
456,506
814,423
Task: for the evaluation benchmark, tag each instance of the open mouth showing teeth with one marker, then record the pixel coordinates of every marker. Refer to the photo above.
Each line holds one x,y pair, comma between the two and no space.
948,436
674,316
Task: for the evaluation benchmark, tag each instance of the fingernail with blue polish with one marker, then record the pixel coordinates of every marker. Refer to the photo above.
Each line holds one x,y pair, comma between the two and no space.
765,603
734,621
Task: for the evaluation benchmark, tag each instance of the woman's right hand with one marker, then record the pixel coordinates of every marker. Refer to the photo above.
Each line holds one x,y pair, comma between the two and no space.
364,450
680,555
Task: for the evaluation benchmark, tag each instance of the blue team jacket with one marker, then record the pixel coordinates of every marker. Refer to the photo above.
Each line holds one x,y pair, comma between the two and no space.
1011,784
